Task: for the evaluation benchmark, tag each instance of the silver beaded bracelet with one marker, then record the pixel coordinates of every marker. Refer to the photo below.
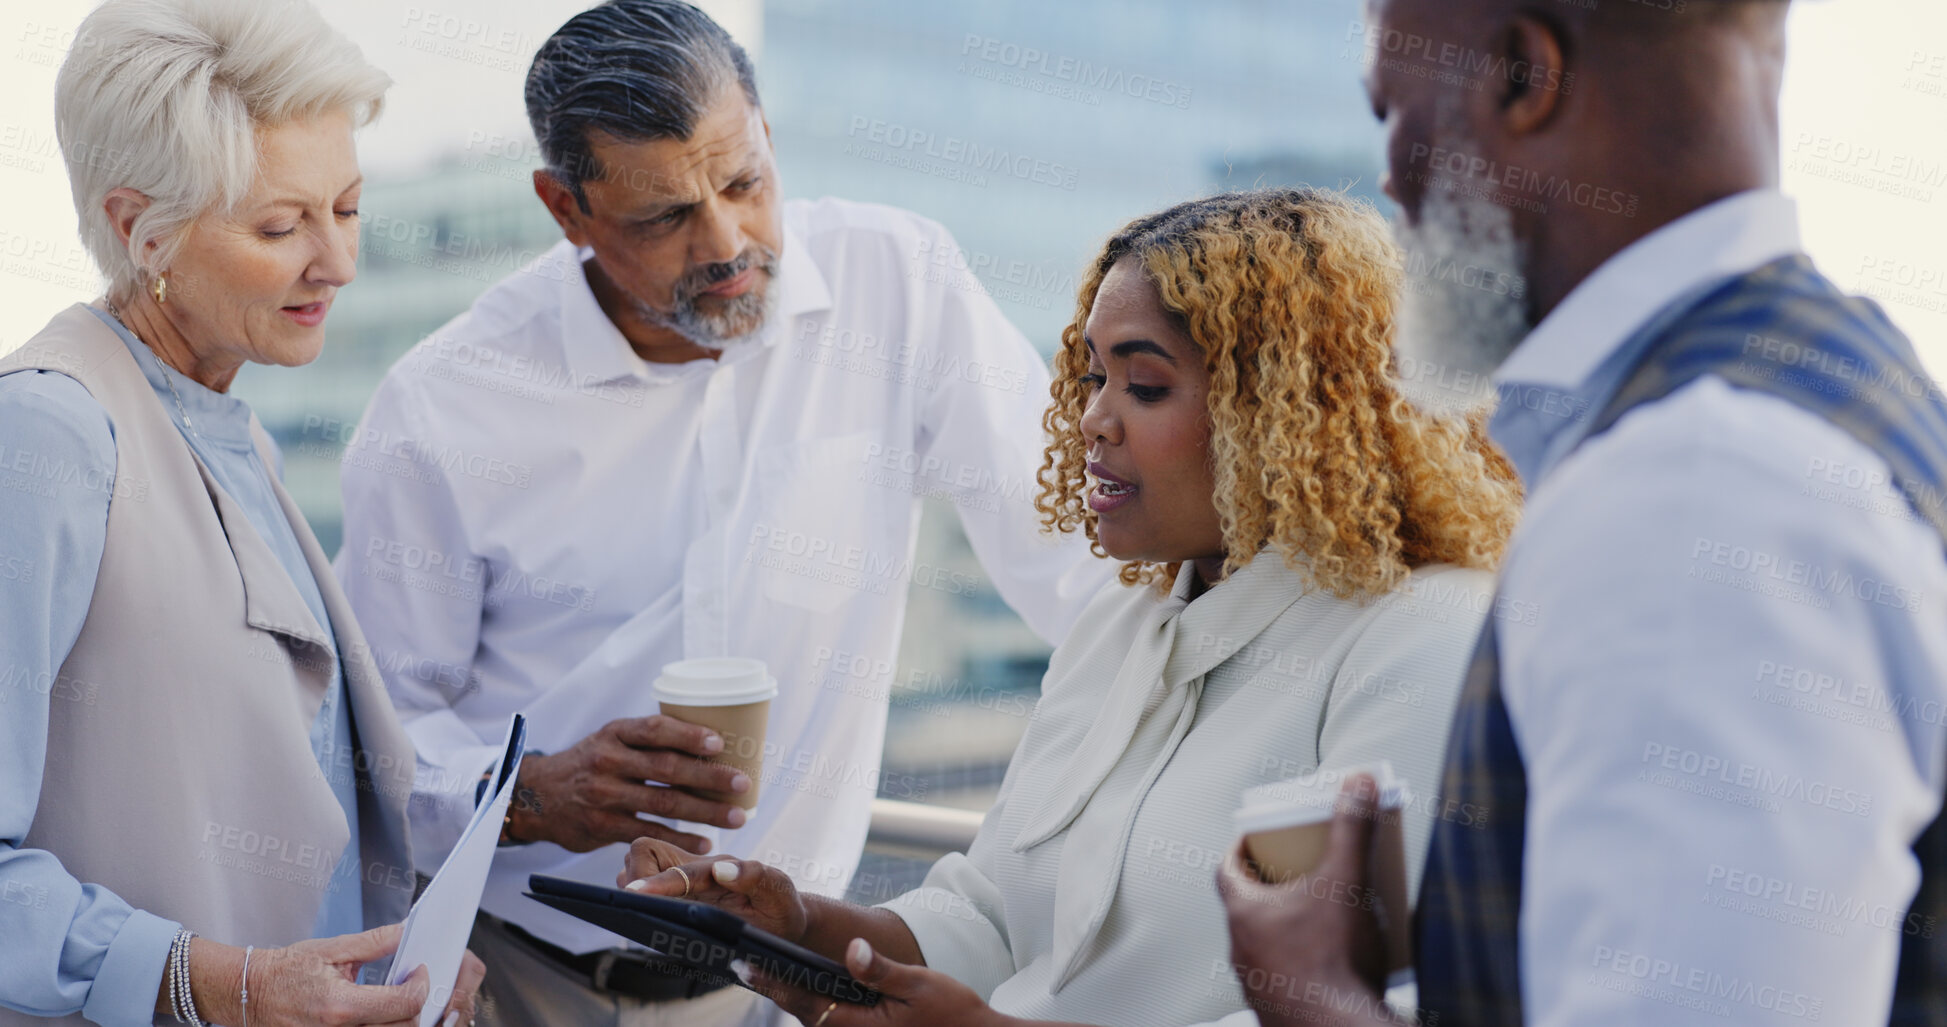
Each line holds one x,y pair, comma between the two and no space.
182,1002
169,971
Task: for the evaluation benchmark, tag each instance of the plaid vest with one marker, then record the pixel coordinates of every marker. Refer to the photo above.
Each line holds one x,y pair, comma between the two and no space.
1842,361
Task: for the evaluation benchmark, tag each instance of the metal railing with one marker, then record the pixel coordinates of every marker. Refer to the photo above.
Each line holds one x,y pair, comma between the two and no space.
920,831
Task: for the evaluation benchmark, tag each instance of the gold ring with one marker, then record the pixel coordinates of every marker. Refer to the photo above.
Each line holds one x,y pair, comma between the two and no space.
824,1015
686,880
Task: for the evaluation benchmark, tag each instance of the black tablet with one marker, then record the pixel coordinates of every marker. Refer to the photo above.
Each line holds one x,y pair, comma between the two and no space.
702,937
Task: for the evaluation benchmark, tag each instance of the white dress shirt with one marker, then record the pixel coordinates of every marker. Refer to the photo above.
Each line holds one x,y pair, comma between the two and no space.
1090,894
1732,733
537,520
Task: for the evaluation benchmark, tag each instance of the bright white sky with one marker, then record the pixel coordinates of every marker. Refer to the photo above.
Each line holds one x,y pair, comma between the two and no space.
1865,134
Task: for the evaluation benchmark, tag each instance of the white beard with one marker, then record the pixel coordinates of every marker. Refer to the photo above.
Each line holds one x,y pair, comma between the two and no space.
1464,305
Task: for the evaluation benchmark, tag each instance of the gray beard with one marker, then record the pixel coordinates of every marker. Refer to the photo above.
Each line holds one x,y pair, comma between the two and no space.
1464,305
736,323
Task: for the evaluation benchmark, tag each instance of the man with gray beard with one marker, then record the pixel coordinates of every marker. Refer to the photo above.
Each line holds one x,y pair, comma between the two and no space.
698,427
1703,781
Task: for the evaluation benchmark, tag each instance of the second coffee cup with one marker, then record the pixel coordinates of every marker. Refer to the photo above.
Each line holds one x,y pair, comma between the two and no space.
1285,827
731,696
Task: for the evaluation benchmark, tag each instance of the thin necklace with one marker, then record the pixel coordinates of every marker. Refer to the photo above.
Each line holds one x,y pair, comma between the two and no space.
187,423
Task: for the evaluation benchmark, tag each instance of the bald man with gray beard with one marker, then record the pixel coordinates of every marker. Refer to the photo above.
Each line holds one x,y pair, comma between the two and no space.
1711,763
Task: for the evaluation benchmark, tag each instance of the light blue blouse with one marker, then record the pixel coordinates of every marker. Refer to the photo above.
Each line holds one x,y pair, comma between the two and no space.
65,946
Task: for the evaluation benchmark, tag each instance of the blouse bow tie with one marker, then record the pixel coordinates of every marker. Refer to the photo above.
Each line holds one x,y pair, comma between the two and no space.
1149,709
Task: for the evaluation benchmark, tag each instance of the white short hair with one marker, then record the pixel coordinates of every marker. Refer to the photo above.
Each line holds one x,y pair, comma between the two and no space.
166,96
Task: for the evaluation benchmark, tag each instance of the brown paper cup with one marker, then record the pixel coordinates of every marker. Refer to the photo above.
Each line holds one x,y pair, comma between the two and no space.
1285,827
742,728
1287,853
731,696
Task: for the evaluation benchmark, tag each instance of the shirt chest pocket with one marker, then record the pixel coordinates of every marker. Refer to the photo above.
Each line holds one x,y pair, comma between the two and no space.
823,532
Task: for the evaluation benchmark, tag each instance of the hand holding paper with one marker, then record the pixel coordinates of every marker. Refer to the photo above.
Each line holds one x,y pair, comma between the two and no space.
437,928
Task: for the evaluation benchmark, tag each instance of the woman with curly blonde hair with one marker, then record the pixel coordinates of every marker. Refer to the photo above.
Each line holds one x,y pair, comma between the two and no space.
1288,297
1308,563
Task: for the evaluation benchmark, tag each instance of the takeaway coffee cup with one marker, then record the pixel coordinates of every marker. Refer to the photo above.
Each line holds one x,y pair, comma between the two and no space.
731,696
1285,826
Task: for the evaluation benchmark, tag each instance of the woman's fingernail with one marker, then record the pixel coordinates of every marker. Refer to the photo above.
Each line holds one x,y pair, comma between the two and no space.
737,817
740,783
742,970
639,884
452,1018
860,951
724,870
712,743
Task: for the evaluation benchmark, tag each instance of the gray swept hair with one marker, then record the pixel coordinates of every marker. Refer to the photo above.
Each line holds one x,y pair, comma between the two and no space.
166,96
637,70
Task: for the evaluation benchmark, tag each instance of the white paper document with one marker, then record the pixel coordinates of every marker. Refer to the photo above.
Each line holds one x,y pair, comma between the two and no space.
439,924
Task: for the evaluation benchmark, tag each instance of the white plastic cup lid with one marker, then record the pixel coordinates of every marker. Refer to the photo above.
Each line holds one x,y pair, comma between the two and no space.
715,681
1309,799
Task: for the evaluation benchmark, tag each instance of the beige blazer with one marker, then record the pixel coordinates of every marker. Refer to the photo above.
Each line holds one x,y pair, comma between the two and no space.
179,766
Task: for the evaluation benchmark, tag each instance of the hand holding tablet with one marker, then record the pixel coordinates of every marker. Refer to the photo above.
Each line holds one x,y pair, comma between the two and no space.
759,894
879,954
704,938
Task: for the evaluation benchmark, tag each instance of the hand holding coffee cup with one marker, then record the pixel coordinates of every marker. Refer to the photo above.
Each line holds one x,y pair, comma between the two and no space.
590,794
731,696
1285,827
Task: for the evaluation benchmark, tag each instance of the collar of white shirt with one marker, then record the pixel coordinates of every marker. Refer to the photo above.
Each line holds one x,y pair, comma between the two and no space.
596,351
1727,238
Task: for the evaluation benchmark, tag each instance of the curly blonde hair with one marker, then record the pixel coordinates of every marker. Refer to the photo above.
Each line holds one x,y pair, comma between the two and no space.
1290,294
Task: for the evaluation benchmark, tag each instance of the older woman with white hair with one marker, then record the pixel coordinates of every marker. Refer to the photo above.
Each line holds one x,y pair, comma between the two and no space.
203,786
